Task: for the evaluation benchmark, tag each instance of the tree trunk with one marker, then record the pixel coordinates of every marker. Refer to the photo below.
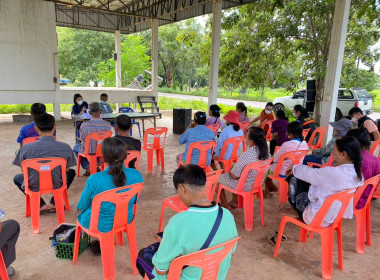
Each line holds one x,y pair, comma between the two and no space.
319,88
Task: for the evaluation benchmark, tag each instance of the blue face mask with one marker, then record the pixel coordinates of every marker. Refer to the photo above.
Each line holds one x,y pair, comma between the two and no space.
103,102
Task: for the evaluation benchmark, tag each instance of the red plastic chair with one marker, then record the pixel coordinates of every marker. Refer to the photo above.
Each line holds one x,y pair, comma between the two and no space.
3,269
321,130
235,141
131,155
120,224
204,148
305,132
329,163
175,203
261,167
266,125
374,148
296,157
363,215
31,140
269,132
44,167
155,146
326,233
97,137
214,127
208,260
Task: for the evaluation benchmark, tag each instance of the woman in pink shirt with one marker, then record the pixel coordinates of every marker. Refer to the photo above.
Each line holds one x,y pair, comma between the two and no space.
242,110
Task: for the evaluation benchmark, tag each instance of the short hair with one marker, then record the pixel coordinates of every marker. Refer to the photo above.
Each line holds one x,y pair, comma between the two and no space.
38,109
123,122
362,135
192,176
45,122
355,110
103,94
200,118
269,104
94,107
295,128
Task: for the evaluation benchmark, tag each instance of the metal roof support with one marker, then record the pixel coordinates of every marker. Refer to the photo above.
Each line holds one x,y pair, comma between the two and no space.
154,23
215,50
334,65
118,63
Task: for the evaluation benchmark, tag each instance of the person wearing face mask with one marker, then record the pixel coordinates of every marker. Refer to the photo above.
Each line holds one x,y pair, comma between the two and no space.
106,108
303,117
266,115
322,155
356,115
79,106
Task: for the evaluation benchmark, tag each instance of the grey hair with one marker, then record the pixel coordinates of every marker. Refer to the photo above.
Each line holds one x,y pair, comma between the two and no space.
94,107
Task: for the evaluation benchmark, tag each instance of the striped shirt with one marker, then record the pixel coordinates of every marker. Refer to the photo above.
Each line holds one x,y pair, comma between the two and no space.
93,125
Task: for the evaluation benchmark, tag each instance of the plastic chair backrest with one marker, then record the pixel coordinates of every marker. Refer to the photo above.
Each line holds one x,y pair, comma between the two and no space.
204,148
214,127
266,123
373,148
244,126
343,197
294,156
44,166
156,132
235,141
131,155
269,132
97,137
120,197
308,122
30,140
208,260
374,181
212,182
261,167
125,110
321,130
305,132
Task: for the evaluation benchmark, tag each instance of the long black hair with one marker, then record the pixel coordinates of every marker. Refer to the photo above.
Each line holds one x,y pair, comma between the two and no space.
300,108
215,110
75,98
257,135
241,106
351,146
114,153
281,115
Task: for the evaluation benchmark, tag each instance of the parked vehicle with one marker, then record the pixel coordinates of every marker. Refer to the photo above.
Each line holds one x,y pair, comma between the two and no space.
347,98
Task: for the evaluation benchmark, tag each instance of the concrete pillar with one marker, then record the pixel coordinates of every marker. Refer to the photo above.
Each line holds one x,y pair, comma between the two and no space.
215,50
57,98
118,63
154,23
334,65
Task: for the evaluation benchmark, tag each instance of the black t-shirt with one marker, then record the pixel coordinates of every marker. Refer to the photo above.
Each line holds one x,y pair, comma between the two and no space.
132,145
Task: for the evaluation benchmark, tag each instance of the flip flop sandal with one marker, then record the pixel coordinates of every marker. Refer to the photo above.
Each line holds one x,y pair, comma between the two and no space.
272,240
275,233
51,210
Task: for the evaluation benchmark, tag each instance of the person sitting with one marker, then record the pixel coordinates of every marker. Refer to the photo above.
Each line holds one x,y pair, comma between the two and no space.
9,232
106,108
29,130
96,124
296,143
242,110
114,176
257,150
328,181
79,106
265,116
123,127
197,131
358,117
322,155
370,163
279,131
187,231
232,130
303,117
214,114
46,147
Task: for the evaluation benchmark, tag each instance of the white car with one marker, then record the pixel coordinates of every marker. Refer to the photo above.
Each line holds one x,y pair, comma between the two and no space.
347,98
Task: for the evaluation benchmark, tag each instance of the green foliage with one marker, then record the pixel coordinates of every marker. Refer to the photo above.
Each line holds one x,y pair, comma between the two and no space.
353,77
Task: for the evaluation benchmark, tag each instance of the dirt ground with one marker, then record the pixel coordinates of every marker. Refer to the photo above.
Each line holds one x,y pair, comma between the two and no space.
253,258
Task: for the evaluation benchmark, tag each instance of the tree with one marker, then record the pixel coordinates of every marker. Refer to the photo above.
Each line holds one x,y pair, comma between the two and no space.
80,51
265,38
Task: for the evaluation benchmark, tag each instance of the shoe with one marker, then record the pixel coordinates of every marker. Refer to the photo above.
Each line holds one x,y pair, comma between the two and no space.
11,272
86,174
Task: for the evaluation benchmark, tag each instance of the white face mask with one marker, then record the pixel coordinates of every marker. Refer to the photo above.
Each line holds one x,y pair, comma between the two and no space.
268,112
354,120
80,102
295,115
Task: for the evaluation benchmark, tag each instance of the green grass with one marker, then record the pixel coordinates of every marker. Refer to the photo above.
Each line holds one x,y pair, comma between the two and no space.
376,100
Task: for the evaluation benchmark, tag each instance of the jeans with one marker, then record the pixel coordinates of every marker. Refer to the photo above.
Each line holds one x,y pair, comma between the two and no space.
83,162
311,158
19,180
8,238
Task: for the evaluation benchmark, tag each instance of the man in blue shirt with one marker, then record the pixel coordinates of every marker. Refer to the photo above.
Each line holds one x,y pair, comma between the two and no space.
29,130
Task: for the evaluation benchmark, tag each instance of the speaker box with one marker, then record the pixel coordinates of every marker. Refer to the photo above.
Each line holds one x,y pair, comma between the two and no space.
310,95
181,120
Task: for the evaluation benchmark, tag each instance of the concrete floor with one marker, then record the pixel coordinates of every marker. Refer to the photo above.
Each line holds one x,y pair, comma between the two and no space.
252,260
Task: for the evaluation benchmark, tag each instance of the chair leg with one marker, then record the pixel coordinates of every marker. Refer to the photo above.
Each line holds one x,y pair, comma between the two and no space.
248,212
162,217
119,238
107,248
3,269
162,159
66,199
150,160
132,245
327,244
27,206
59,206
283,190
279,236
368,224
303,235
138,125
93,165
76,242
360,230
340,245
158,156
35,211
78,164
261,200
